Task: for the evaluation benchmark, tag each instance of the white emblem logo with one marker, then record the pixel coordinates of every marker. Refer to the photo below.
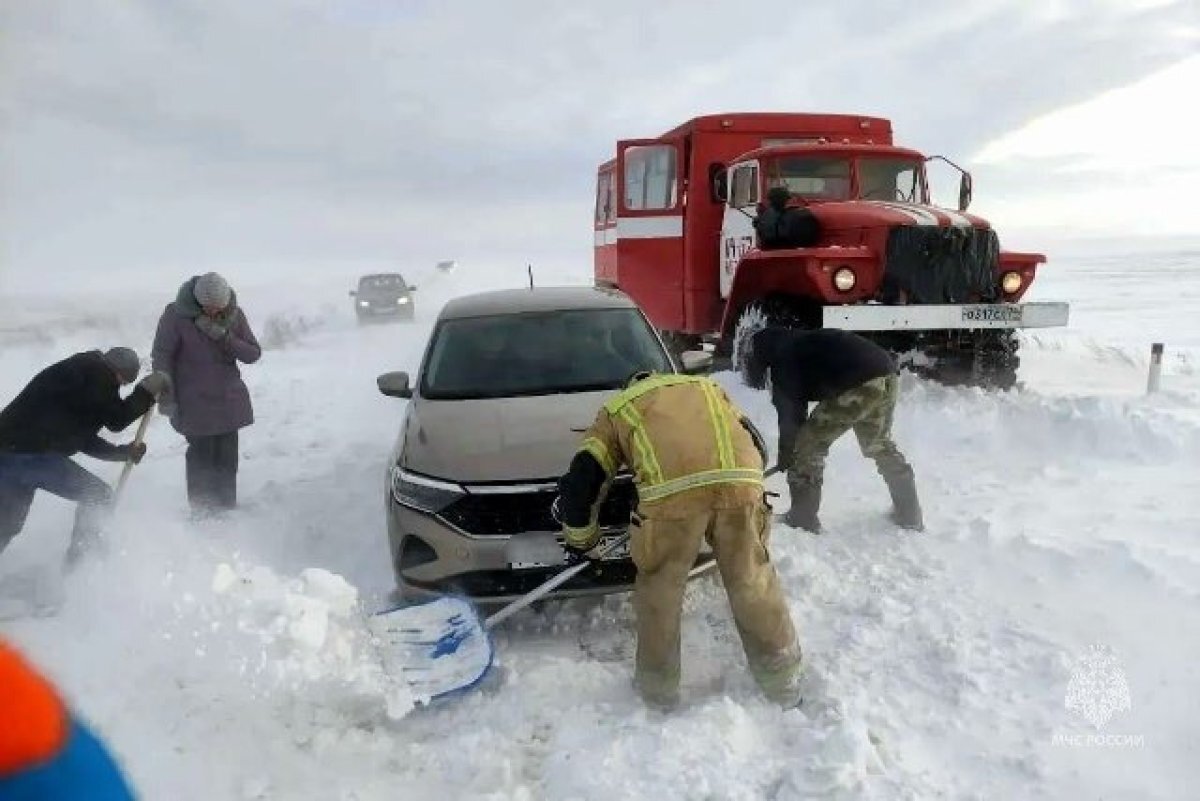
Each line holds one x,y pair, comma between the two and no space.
1098,689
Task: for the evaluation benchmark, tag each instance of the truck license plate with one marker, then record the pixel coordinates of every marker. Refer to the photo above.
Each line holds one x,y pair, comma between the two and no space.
986,313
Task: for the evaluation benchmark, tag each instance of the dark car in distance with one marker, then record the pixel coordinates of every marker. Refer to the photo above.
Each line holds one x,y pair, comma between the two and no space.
383,296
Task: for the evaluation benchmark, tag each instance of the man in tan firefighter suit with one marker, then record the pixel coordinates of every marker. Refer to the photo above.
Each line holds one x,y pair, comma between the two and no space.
698,472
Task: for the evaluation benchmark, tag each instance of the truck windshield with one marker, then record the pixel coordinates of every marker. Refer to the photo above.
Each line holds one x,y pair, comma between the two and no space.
891,179
812,177
544,353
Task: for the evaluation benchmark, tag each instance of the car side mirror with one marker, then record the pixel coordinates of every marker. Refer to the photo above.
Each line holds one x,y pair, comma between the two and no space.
412,289
394,385
965,190
696,361
353,294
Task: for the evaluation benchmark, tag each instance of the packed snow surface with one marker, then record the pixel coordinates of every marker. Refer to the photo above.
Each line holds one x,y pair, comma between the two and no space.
1040,640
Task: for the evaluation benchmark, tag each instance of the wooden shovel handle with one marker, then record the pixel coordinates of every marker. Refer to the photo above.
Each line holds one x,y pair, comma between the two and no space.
137,440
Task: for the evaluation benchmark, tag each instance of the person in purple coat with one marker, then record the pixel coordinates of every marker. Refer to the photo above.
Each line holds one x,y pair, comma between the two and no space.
201,338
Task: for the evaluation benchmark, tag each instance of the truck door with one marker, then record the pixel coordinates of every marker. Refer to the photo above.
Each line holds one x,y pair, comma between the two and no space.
737,226
649,230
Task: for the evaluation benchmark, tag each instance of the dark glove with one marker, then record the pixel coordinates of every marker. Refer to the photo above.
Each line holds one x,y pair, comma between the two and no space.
211,327
134,452
577,555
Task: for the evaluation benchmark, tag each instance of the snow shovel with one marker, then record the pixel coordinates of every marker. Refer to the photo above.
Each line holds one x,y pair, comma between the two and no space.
441,647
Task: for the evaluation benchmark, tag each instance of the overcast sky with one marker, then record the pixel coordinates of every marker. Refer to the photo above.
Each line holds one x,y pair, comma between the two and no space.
169,135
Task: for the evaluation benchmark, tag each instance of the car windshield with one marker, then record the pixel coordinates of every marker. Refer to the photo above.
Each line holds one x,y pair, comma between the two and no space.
891,179
387,282
812,177
542,353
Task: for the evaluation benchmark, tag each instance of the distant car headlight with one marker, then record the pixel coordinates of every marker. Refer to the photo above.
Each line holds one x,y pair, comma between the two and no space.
401,301
363,303
844,279
1010,282
421,493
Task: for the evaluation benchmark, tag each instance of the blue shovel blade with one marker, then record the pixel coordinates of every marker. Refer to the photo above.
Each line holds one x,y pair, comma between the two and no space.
438,647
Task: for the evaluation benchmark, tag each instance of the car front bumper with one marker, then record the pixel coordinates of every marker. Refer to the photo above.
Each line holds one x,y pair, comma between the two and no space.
432,557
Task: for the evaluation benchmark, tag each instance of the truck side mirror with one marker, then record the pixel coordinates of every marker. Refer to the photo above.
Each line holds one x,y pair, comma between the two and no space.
394,385
718,182
965,188
353,294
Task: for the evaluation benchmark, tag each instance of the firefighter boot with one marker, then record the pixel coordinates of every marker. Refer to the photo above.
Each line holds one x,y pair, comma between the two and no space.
806,503
906,508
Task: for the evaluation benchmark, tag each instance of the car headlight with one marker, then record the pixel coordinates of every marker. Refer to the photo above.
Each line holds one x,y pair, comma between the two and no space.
421,493
844,279
401,301
363,303
1010,282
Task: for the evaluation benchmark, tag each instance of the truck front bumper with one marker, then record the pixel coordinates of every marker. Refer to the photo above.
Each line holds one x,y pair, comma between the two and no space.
878,317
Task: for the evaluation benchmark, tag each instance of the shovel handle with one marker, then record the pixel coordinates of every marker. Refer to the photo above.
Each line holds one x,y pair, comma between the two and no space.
137,440
559,579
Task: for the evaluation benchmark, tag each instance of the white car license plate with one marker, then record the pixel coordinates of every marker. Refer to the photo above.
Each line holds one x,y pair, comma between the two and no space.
988,313
620,552
545,550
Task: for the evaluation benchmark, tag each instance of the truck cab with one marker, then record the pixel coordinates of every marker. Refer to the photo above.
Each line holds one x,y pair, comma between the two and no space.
811,221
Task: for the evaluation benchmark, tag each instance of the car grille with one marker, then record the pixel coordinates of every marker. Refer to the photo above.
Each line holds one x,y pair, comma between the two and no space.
497,513
941,265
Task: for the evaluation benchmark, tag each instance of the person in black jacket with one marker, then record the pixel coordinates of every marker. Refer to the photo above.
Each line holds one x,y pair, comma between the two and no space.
855,385
58,414
779,226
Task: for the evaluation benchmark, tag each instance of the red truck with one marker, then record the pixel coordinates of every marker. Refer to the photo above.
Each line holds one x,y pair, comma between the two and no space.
675,229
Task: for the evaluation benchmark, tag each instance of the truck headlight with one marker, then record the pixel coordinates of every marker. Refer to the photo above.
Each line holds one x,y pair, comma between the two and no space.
844,279
1010,282
421,493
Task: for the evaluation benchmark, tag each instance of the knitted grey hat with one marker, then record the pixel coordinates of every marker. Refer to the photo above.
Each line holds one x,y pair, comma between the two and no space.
212,290
125,361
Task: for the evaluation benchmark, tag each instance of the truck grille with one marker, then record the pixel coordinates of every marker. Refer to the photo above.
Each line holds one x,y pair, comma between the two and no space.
941,265
504,513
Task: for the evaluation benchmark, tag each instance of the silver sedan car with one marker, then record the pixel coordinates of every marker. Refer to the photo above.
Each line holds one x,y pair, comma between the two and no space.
508,383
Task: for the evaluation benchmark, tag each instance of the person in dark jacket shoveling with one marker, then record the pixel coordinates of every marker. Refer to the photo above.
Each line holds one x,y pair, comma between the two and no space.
855,385
200,340
59,414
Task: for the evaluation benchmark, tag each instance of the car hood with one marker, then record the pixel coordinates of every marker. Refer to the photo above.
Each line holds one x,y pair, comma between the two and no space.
497,439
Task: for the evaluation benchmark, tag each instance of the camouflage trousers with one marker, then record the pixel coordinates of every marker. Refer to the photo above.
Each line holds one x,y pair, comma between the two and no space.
869,410
664,550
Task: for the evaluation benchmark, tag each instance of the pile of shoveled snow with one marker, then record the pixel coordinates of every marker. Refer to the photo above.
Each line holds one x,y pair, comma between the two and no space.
305,637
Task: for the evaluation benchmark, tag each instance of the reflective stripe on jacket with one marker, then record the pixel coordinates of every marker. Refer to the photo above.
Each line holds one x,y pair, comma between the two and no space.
676,433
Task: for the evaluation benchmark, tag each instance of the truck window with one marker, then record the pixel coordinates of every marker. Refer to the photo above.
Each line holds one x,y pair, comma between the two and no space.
815,177
890,179
606,198
650,177
744,188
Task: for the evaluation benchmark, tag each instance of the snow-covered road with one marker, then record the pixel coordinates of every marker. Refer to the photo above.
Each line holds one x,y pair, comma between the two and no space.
1063,543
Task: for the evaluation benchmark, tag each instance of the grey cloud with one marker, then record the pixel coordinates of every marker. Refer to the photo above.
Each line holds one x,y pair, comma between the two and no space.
355,127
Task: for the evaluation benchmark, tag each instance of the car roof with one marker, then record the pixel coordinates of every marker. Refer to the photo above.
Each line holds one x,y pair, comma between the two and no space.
373,276
539,299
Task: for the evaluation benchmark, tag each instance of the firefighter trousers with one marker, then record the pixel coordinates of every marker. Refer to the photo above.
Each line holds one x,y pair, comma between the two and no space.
665,548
